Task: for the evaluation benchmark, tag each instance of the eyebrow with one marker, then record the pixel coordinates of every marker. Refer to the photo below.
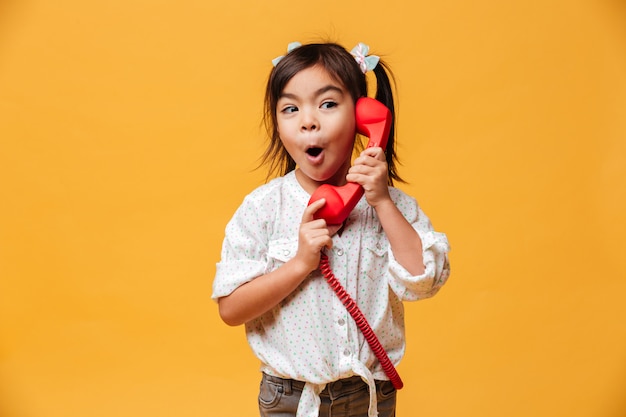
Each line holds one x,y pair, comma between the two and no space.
319,92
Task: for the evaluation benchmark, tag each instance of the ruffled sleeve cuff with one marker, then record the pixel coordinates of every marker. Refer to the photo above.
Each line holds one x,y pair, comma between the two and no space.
231,275
435,250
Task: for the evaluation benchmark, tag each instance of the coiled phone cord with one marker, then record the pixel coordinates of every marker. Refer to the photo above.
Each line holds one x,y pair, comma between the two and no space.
361,322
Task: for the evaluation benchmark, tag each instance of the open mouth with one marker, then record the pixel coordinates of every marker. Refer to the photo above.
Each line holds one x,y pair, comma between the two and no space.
314,151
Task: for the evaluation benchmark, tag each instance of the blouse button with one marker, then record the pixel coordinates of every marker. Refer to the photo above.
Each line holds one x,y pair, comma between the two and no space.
341,322
346,352
286,252
340,252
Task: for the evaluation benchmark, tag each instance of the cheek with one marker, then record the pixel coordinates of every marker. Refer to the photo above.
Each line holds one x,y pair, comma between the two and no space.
282,127
350,136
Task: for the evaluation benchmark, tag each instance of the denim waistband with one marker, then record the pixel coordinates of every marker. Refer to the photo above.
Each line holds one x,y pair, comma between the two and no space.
333,389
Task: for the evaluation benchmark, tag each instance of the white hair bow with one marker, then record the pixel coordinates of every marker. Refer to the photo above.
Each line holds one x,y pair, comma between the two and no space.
367,63
290,47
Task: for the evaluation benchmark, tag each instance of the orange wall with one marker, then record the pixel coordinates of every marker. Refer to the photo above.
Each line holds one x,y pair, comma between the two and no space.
128,132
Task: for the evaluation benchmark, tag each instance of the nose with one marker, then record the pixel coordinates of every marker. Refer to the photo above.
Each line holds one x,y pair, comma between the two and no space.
308,121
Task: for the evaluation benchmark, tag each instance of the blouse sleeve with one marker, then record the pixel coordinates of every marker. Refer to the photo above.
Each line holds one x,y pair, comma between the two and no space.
244,250
435,250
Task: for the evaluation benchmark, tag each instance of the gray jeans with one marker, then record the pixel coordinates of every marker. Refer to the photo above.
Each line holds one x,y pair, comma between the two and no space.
344,398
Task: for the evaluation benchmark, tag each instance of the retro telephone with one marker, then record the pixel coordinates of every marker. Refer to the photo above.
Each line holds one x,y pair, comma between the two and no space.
373,119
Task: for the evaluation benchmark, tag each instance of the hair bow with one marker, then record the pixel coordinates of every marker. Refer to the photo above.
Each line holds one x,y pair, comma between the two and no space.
290,47
367,63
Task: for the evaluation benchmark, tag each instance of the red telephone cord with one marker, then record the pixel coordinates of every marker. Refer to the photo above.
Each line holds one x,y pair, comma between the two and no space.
361,322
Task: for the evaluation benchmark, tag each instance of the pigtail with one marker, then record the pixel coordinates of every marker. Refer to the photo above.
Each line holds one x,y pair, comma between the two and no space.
384,94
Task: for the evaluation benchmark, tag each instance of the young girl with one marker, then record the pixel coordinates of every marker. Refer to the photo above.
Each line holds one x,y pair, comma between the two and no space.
315,361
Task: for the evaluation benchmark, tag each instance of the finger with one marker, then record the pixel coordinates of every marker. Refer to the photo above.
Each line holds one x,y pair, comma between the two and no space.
373,151
332,229
317,239
363,169
307,216
372,160
329,244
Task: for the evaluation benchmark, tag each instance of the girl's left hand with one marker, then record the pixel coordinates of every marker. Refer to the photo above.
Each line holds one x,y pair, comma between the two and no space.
370,171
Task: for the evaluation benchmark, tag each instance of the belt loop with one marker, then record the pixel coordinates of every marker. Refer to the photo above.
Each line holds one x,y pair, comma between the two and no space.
287,386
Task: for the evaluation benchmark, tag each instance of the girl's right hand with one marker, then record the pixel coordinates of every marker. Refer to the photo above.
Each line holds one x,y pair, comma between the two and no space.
314,235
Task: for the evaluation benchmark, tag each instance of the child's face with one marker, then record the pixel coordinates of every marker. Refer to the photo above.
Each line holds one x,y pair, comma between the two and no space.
316,124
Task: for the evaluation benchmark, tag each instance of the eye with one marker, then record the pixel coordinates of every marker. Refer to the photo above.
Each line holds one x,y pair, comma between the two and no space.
329,104
289,109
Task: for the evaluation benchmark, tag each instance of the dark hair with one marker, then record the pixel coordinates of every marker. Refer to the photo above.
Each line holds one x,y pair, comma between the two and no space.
342,66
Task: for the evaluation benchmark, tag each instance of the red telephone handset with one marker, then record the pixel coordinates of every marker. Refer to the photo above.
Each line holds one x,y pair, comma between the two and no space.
373,119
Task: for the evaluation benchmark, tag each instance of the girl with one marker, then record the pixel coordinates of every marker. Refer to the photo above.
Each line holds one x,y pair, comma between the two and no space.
315,361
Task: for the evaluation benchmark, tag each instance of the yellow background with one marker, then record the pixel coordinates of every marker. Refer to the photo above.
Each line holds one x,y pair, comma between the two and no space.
129,131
